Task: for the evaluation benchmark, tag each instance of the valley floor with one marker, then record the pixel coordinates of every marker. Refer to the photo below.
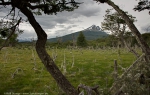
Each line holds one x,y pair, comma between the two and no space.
21,71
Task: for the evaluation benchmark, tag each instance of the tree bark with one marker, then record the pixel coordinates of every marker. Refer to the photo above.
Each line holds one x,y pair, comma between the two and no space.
41,51
143,44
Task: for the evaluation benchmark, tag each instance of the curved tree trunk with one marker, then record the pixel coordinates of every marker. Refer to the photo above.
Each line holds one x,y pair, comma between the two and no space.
144,45
43,55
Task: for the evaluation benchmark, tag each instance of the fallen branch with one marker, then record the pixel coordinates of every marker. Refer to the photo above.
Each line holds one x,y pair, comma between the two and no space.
120,92
16,72
133,65
88,89
126,72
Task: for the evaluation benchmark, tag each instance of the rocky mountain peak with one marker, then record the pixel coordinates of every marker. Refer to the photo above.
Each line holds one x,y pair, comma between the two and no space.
94,28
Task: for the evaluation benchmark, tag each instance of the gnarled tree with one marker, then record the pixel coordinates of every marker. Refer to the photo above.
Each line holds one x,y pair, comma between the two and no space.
27,7
145,49
144,46
114,23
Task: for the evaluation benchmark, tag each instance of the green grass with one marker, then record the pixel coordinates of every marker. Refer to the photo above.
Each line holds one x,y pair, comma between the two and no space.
91,67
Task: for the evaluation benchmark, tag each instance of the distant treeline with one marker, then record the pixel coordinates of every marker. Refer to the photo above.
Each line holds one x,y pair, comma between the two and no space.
109,41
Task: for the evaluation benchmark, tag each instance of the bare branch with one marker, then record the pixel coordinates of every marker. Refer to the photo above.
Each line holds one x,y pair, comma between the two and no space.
6,3
13,9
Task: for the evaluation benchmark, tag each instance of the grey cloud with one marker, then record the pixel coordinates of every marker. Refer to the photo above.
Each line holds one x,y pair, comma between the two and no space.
61,26
88,9
50,21
61,20
28,35
146,28
62,32
65,31
46,21
71,26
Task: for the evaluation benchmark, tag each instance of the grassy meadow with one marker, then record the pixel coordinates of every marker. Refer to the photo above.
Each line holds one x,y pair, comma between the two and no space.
22,72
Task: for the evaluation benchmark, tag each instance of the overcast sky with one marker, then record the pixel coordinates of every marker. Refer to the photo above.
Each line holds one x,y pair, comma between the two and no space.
87,14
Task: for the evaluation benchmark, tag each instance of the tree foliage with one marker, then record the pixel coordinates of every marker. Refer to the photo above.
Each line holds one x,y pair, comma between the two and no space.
114,23
46,6
81,41
7,27
142,5
118,27
10,30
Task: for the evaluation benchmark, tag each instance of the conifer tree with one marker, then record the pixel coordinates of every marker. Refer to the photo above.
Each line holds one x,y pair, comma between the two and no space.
81,41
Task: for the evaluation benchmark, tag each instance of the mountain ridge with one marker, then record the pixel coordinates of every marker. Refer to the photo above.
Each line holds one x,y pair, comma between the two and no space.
91,33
